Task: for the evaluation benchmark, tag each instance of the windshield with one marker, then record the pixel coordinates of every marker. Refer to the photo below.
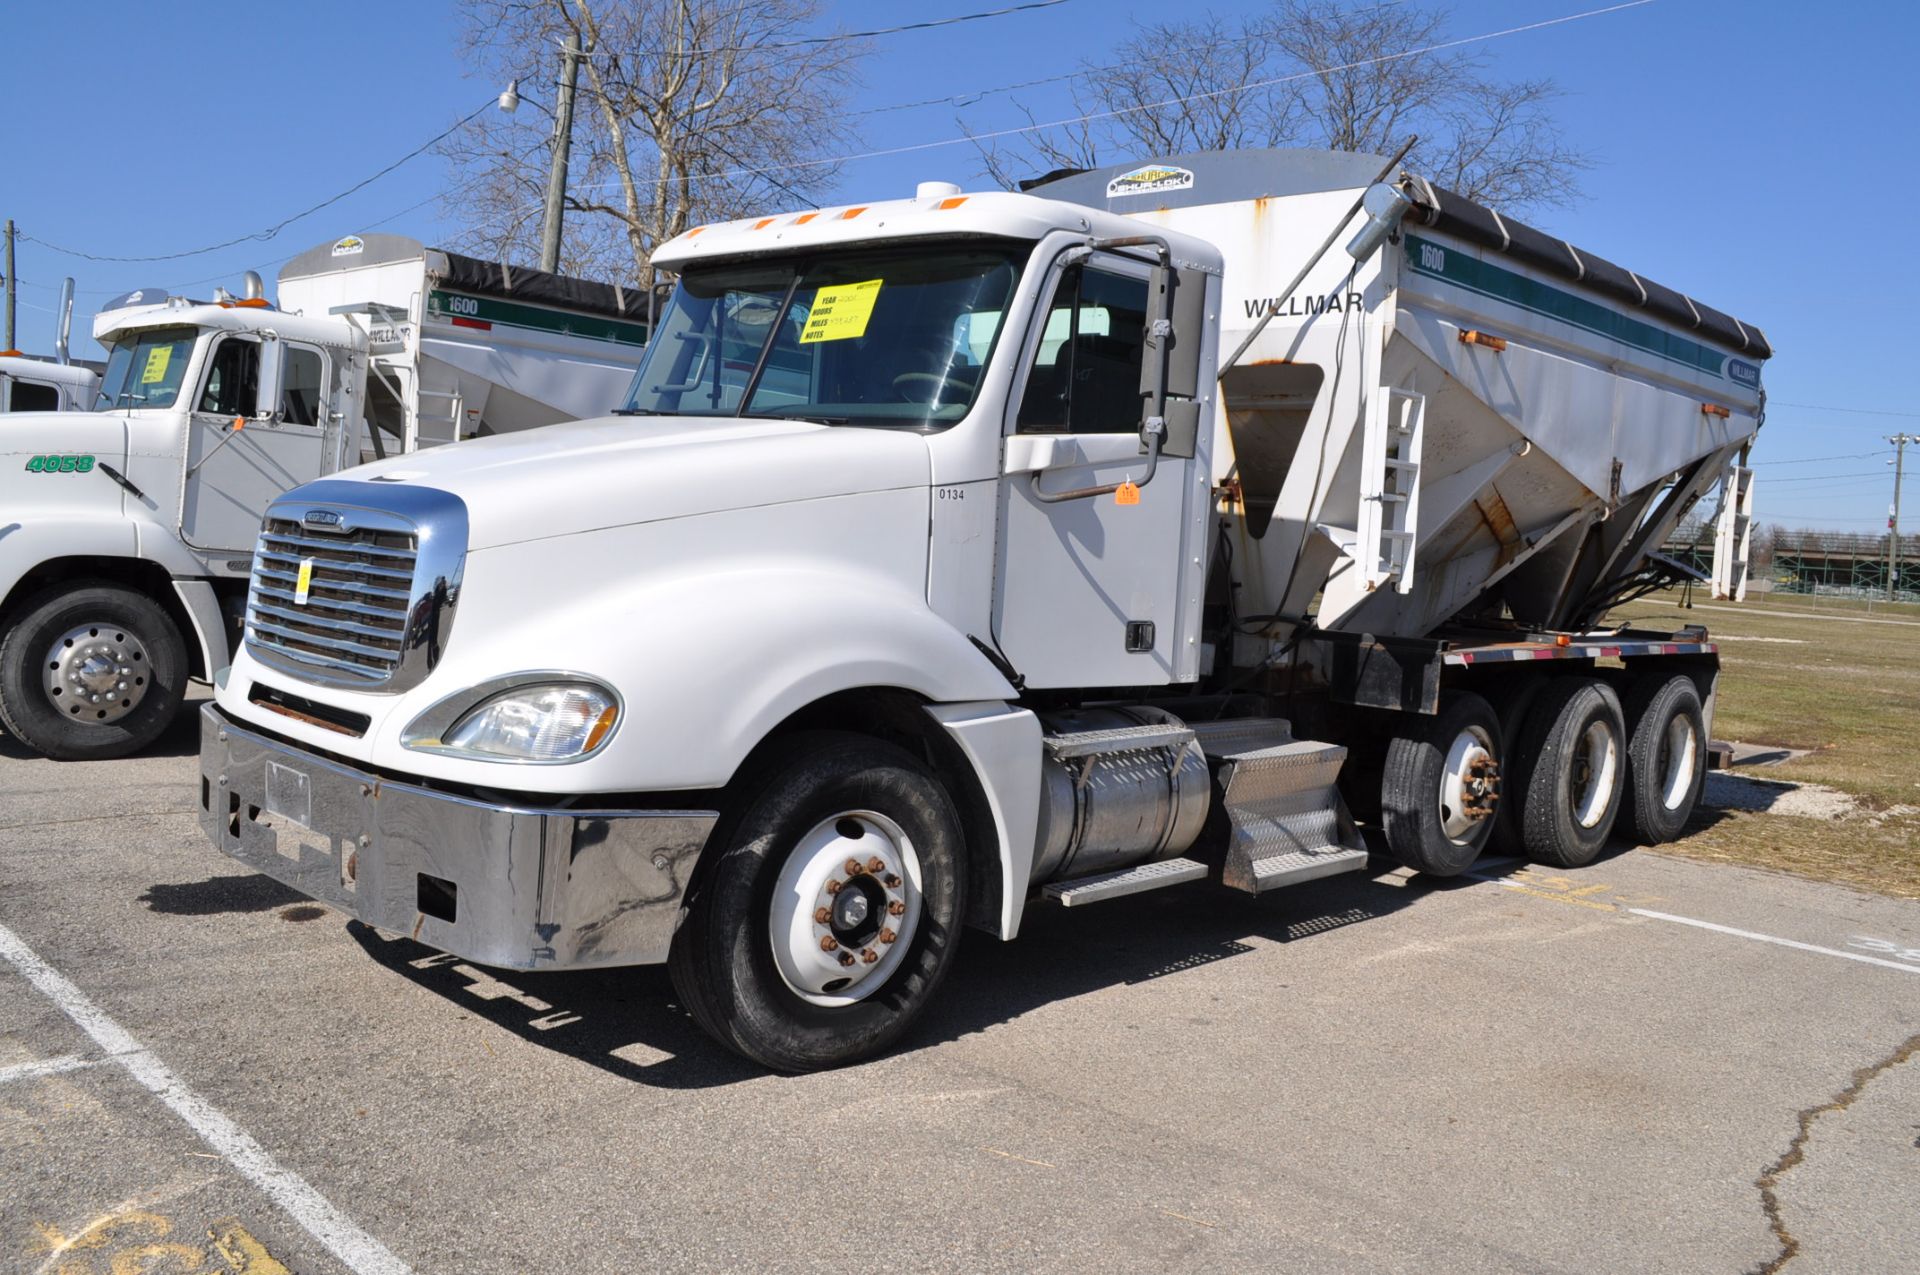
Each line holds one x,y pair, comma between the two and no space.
144,369
852,337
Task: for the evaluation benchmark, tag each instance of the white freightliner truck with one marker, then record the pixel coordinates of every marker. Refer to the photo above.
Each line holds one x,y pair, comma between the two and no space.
127,532
949,556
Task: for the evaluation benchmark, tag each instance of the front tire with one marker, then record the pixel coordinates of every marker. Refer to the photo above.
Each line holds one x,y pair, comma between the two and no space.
1440,791
1666,757
797,950
1575,743
90,671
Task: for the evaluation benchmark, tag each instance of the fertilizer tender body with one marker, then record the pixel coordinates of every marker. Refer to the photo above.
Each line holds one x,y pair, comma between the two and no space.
966,553
134,522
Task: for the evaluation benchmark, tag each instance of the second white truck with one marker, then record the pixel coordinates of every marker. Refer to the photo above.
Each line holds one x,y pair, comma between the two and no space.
127,533
958,554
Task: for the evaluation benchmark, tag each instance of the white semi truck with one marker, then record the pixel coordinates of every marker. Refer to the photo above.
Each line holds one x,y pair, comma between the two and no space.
127,532
957,553
58,384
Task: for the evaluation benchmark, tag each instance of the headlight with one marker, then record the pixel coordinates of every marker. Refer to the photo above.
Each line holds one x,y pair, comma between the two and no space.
543,722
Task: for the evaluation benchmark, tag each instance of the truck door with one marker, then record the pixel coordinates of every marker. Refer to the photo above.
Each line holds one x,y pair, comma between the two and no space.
233,473
1088,590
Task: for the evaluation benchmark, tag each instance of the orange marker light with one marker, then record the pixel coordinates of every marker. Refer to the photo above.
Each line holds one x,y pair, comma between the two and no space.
804,218
1494,343
954,202
851,213
601,727
763,223
1714,409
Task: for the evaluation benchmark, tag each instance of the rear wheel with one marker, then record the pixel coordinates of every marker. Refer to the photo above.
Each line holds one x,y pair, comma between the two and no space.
1666,756
91,671
1442,786
830,909
1575,745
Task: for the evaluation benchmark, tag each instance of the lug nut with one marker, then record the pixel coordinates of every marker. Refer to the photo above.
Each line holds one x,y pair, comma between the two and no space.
829,944
822,915
893,882
846,958
876,865
853,867
833,887
888,936
896,908
868,956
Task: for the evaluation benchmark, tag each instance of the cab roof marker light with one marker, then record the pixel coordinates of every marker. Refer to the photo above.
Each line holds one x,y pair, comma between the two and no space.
947,205
804,218
764,222
851,213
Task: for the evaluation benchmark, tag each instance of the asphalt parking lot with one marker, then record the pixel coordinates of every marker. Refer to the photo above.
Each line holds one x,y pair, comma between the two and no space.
1652,1064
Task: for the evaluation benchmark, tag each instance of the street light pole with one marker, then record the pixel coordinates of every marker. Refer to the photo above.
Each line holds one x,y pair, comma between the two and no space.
1899,442
570,56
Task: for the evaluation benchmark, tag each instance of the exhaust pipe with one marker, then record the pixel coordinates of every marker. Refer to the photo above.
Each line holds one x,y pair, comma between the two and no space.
65,327
252,288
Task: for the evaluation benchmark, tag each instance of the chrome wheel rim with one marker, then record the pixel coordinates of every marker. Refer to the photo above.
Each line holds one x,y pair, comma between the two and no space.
1469,784
1596,762
96,673
1680,750
845,908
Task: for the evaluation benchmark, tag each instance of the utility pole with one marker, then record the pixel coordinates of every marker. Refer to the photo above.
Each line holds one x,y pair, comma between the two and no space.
8,343
1899,442
570,56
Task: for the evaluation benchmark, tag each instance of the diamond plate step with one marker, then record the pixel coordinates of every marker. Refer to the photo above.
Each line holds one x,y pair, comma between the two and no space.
1120,739
1286,821
1112,885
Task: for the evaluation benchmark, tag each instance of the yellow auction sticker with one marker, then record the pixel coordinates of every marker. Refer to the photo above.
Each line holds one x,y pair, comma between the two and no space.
840,313
157,360
303,583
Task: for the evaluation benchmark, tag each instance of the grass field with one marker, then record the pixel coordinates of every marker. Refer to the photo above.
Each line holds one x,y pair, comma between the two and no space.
1843,684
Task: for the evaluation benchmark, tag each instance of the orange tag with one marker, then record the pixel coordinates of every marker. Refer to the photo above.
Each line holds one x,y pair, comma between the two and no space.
1126,494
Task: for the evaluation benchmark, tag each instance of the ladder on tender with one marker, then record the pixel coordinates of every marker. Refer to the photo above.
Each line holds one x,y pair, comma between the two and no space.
1390,489
1732,534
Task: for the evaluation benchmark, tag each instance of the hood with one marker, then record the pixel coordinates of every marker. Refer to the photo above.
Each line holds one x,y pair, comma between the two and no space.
587,475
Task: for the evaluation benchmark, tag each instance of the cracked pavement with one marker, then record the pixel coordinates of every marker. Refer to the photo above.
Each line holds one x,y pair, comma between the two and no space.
1517,1071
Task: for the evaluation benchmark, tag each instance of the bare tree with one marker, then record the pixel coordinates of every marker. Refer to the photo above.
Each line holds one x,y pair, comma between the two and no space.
1316,73
688,111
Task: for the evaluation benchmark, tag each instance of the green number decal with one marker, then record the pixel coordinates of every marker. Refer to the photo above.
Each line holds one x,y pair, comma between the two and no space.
75,464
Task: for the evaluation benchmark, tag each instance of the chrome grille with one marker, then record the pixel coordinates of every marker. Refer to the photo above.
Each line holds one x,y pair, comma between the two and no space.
353,621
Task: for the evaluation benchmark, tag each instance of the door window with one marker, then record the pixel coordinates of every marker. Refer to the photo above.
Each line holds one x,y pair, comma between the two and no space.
29,396
301,386
233,378
1086,374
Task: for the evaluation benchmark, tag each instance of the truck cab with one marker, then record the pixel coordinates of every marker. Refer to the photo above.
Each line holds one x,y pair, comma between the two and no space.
133,523
29,384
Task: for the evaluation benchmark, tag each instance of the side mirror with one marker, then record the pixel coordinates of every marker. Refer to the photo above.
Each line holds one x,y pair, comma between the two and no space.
273,358
1176,322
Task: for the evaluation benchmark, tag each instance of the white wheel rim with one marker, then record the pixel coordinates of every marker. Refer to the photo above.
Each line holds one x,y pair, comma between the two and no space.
1681,749
96,673
1596,762
1469,784
845,908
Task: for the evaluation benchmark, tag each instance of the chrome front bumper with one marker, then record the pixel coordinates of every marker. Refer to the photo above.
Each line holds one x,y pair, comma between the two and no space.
517,887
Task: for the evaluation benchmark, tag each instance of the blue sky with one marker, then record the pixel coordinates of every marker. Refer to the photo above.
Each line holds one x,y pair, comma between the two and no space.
1749,154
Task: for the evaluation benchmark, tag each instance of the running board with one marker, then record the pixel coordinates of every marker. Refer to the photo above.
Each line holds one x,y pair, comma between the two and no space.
1112,885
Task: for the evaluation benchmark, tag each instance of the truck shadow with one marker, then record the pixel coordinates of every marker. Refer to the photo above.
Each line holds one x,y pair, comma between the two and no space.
626,1021
180,739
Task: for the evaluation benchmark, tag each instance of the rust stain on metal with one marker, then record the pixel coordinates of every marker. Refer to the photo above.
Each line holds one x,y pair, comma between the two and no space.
1499,520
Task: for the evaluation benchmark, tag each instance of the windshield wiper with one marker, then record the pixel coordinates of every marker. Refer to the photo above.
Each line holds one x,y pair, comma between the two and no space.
639,411
814,417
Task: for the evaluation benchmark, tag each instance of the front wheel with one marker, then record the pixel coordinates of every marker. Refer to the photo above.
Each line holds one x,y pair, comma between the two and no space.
90,671
830,908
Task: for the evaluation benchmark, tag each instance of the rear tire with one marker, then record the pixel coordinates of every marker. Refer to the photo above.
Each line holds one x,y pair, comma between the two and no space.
1441,786
89,671
1575,746
1666,756
753,963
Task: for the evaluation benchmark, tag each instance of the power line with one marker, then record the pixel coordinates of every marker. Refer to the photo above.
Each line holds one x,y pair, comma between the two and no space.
1151,106
1819,478
930,23
1811,460
261,236
1857,411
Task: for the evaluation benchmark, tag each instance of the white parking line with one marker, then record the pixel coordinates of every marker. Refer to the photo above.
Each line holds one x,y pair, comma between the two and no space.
1778,942
46,1067
346,1241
